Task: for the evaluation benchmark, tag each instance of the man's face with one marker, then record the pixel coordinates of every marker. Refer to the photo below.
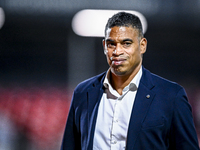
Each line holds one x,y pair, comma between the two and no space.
123,49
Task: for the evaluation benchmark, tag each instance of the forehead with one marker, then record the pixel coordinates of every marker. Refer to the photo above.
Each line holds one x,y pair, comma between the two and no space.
121,32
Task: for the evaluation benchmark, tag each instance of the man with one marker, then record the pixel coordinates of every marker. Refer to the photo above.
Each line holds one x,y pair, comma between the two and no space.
128,107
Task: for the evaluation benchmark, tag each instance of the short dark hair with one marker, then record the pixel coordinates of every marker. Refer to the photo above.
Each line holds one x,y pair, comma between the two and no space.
125,19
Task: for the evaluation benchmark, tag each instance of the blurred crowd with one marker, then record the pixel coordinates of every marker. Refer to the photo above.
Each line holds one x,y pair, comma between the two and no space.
32,118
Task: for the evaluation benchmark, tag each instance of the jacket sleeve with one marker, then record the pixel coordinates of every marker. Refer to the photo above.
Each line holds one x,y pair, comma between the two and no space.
71,139
183,135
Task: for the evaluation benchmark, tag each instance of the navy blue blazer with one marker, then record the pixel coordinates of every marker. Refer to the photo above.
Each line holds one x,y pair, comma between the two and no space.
161,117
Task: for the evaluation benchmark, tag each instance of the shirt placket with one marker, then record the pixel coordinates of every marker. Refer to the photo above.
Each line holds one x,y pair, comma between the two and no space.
115,145
114,142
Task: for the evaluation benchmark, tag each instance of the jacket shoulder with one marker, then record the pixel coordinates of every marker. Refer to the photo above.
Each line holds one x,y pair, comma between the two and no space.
165,84
159,83
91,82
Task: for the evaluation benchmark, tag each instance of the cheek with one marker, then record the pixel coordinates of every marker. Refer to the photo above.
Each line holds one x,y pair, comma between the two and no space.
134,56
108,53
105,51
108,56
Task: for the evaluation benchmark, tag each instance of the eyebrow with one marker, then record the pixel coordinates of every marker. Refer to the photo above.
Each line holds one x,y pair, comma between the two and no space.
109,40
125,40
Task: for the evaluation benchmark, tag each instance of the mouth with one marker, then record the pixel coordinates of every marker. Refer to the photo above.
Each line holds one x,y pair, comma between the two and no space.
117,61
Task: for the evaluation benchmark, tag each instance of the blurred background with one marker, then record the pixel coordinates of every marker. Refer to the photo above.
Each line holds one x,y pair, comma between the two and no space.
42,60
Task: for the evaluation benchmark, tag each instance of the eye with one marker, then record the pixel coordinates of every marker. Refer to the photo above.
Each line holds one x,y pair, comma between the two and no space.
110,45
127,44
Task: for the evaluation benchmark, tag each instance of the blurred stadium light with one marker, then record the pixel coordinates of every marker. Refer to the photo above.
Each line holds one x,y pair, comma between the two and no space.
2,17
91,22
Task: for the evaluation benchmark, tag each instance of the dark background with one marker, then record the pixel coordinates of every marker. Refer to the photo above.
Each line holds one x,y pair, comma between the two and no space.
38,46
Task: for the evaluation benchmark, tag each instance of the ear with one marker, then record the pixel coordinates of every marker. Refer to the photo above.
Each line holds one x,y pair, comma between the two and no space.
143,45
104,46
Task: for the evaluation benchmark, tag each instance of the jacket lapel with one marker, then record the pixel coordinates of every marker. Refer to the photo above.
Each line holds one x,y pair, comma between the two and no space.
94,96
141,105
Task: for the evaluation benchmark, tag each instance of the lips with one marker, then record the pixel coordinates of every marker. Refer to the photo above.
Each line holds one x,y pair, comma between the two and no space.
117,61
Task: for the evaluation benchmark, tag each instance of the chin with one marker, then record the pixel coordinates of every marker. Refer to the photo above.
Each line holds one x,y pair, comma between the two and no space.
119,72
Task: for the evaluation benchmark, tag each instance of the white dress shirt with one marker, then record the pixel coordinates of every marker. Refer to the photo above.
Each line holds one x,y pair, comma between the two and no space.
114,114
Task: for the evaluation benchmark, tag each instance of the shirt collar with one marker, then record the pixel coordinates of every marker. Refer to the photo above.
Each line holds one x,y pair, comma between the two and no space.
133,85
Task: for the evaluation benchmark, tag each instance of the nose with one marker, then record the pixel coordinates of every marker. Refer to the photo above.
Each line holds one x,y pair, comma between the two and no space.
118,50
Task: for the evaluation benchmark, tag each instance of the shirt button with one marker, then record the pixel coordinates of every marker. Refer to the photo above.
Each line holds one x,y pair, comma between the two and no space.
114,142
